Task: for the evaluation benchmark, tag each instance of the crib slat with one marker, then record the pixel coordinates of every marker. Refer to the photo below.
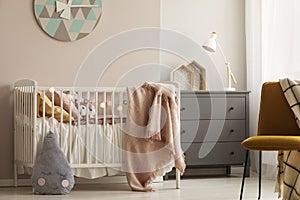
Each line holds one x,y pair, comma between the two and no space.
104,126
61,118
79,128
16,136
22,157
112,126
52,111
44,112
96,127
34,90
19,145
30,123
121,125
104,107
23,125
24,131
121,108
87,135
113,107
28,114
70,133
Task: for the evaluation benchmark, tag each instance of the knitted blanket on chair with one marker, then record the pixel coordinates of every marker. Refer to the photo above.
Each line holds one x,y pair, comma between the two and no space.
288,181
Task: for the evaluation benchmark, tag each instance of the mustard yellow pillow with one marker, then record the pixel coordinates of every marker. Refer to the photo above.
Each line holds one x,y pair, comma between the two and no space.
48,109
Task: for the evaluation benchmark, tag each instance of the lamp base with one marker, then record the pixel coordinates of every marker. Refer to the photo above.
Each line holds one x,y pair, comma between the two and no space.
230,89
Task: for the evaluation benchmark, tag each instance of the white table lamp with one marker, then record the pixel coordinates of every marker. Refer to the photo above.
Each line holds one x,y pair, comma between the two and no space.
211,45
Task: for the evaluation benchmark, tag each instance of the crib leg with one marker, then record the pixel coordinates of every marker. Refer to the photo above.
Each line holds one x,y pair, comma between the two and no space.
177,179
15,175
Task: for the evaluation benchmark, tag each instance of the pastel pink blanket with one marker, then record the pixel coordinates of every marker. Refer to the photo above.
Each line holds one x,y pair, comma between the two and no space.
152,138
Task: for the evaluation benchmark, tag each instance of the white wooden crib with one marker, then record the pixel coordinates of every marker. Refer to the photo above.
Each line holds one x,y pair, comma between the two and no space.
90,133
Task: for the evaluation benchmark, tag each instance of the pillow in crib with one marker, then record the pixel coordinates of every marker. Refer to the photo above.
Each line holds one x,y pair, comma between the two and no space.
67,104
48,109
52,173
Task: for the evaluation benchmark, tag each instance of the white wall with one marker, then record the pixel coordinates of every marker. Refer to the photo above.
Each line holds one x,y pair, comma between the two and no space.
196,19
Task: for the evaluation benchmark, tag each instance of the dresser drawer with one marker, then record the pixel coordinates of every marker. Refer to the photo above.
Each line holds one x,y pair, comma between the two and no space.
221,154
213,130
212,108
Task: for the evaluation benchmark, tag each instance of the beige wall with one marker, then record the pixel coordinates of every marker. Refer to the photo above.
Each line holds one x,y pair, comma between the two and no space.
27,52
196,19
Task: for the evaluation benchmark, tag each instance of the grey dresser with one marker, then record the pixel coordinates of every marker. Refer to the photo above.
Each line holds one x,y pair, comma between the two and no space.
213,124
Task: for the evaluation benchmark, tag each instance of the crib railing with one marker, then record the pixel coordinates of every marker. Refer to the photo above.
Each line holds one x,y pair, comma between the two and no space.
105,105
25,116
109,110
31,105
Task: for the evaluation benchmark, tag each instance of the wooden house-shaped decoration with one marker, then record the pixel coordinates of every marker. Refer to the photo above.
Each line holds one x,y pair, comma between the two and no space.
191,76
184,76
199,75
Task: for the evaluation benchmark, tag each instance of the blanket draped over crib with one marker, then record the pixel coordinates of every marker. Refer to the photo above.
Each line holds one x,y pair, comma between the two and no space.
289,161
152,134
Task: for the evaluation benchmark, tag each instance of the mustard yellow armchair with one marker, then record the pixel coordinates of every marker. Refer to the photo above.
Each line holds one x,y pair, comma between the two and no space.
277,128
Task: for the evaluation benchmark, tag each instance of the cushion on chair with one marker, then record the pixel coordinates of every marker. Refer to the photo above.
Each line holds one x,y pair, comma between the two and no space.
272,143
275,115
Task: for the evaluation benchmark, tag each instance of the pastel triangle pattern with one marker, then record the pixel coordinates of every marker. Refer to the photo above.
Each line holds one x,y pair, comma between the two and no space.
68,23
52,26
99,3
51,9
85,2
56,14
44,22
91,15
88,27
79,15
83,22
74,11
50,2
60,33
77,2
86,11
73,36
81,35
44,13
76,26
38,9
97,12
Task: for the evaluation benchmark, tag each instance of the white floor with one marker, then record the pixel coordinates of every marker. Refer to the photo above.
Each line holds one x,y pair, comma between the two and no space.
217,188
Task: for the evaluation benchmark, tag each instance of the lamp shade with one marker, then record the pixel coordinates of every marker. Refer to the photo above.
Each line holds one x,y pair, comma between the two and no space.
211,44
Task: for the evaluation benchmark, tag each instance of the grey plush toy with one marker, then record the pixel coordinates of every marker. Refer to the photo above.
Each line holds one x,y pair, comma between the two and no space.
52,173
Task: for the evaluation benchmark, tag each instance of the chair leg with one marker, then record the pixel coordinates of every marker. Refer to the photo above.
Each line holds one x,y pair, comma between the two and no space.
244,174
259,175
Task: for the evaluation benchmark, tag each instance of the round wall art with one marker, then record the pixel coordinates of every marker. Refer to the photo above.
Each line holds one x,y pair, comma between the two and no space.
68,20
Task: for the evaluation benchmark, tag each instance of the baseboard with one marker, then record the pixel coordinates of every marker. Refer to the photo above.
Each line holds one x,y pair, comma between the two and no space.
6,182
102,180
10,182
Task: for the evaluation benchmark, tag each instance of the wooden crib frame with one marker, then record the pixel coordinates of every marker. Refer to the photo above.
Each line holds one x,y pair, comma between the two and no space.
25,121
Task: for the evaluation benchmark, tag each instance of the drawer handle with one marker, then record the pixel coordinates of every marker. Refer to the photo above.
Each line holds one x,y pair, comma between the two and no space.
231,108
182,109
183,132
231,130
232,153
